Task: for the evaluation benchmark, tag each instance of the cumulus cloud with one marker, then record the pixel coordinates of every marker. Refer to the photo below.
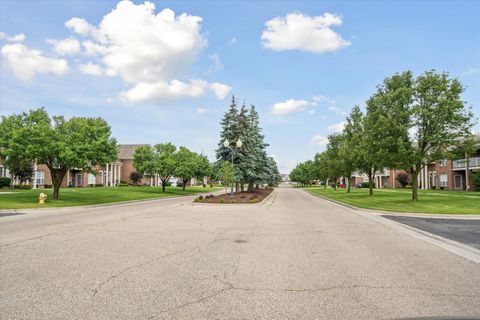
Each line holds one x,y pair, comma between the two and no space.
319,140
91,69
337,127
150,51
25,63
64,47
289,106
16,38
220,90
297,31
80,26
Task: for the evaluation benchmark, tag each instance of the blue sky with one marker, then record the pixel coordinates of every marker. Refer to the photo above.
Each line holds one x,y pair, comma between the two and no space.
170,77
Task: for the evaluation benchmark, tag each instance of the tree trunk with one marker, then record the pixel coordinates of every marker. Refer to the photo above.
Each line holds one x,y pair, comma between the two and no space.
325,185
251,186
414,184
164,184
371,178
184,184
348,183
335,184
237,187
57,178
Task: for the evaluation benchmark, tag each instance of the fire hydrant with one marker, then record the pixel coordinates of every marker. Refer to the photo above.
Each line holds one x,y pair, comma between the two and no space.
42,198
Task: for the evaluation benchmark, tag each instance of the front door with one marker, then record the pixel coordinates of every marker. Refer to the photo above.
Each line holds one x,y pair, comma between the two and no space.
78,180
458,182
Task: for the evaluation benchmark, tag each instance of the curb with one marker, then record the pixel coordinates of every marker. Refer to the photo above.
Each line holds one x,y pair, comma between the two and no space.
452,246
261,203
472,216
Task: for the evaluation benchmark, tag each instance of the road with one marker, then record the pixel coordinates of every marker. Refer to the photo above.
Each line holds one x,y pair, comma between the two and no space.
295,256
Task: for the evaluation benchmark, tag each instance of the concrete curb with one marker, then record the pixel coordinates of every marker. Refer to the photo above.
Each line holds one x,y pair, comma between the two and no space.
110,204
409,214
452,246
261,203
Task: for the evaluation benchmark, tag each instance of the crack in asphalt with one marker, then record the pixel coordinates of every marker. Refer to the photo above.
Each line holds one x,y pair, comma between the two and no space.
138,265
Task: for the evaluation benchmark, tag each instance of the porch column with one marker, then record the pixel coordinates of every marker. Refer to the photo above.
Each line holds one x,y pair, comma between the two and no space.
34,184
467,185
68,178
425,177
106,175
119,173
115,178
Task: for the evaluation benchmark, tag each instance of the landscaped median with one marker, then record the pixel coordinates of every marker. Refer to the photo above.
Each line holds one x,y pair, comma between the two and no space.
20,199
243,197
399,200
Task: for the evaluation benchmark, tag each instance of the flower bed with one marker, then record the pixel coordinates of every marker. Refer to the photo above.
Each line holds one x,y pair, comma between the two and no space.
240,197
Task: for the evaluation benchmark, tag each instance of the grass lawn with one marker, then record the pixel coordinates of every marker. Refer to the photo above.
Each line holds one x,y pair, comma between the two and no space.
19,199
398,200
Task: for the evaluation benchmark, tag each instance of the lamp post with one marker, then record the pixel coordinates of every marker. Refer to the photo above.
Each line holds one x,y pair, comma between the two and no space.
226,144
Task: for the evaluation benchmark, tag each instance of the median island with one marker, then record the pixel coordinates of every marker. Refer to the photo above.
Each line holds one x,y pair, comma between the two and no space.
244,197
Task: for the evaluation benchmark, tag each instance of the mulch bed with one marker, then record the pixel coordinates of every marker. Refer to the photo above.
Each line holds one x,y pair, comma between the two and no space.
239,197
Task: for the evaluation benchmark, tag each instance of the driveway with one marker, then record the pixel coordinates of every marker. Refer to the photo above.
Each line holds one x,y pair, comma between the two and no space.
294,257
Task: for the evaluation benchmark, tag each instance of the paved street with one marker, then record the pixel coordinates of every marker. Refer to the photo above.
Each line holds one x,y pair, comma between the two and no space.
464,231
295,256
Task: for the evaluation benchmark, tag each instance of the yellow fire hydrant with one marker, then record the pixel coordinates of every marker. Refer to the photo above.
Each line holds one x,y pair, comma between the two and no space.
42,198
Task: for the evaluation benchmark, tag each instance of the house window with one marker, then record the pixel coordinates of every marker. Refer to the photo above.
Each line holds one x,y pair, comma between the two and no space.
40,177
443,180
91,178
443,163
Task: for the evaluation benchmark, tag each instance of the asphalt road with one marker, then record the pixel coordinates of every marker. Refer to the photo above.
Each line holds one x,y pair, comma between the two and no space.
464,231
294,257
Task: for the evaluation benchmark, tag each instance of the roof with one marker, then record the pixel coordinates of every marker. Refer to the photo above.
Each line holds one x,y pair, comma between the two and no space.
126,151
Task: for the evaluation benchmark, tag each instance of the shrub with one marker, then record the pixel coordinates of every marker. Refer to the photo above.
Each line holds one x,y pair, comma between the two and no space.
123,184
253,201
476,181
221,200
200,197
5,182
25,186
233,201
366,184
135,177
99,185
403,179
168,184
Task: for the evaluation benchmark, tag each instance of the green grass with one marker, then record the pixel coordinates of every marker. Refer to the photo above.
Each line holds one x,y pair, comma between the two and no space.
398,200
88,196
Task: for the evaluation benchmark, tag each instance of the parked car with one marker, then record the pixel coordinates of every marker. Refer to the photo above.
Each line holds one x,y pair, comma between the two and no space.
179,183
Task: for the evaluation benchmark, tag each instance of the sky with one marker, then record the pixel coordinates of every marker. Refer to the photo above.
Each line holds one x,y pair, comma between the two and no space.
165,71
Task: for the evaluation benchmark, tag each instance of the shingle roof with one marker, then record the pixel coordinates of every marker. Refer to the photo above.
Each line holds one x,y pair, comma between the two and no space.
126,151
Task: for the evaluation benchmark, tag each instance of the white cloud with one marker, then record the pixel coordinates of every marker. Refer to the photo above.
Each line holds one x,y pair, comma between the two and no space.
321,98
165,91
216,63
338,110
67,46
91,69
337,127
233,40
80,26
202,110
289,106
16,38
26,63
220,90
319,140
148,50
297,31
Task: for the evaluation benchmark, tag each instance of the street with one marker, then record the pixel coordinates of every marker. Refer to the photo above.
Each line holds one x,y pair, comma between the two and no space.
295,256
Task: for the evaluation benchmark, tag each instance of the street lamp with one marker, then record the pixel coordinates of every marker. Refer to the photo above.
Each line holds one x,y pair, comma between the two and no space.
226,144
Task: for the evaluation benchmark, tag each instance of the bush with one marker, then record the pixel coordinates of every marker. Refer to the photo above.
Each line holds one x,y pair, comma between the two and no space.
168,184
5,182
403,179
200,197
222,200
135,177
253,201
123,184
233,201
366,184
99,185
476,181
25,186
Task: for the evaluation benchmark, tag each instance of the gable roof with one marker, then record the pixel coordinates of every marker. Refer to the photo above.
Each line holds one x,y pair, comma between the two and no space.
126,151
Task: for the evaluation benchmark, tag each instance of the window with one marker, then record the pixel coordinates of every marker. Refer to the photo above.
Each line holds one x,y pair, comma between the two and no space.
443,180
91,178
40,177
443,163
